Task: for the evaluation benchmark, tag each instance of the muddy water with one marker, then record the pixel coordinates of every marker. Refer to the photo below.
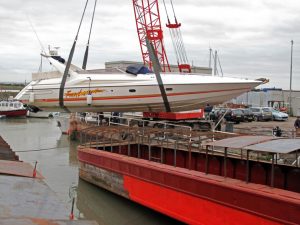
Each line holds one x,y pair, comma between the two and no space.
40,140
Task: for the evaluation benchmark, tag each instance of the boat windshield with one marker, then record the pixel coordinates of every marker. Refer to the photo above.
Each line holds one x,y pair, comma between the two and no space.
138,69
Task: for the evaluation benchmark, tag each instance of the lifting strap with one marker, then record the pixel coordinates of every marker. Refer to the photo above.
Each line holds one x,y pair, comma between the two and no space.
66,72
157,70
86,54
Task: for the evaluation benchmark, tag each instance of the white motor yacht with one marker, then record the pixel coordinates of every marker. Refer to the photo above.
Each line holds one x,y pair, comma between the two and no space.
89,91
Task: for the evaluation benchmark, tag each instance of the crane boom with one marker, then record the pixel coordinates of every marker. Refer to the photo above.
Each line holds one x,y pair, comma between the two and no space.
148,25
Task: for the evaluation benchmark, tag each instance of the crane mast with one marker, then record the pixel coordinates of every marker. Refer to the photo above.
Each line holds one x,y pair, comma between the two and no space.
148,25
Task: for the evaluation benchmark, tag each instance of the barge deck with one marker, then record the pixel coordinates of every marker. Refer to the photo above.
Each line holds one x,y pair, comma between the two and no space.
25,198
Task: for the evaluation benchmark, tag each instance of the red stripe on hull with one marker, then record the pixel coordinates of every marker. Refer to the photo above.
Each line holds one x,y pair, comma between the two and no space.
188,208
69,99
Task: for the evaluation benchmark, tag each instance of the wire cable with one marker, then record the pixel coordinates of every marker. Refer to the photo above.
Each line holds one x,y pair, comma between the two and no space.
166,11
220,65
37,36
173,11
41,149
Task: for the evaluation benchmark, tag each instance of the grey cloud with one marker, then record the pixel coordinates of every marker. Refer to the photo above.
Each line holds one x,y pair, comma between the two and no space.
253,37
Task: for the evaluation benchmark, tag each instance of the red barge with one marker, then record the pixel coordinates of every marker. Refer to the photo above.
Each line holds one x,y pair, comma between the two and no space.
239,180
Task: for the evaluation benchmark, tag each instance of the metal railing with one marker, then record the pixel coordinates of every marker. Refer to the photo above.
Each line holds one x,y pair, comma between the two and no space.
125,121
291,133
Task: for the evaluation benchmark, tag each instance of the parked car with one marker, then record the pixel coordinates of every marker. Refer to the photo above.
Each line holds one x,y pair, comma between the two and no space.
277,115
248,114
234,115
261,113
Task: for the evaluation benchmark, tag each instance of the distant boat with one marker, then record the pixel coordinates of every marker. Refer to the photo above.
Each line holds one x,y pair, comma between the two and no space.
35,112
90,91
39,114
12,109
63,122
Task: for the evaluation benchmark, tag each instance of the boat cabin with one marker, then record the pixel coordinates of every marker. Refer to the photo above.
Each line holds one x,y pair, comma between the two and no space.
11,105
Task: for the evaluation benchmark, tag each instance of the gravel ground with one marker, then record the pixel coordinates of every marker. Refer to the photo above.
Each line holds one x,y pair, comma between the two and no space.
265,127
269,124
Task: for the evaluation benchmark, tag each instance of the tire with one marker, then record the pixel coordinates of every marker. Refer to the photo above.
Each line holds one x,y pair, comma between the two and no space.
158,125
204,127
256,118
140,124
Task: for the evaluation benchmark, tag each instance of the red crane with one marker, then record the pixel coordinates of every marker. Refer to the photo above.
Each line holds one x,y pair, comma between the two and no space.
148,23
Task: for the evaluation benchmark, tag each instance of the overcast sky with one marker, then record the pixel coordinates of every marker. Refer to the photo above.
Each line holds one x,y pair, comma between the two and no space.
252,37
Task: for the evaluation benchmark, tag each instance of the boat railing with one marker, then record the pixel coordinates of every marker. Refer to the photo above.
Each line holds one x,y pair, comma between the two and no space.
110,136
296,162
99,136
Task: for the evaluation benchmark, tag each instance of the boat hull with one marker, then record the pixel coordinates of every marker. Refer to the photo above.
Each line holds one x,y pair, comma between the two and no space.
138,98
14,113
39,114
